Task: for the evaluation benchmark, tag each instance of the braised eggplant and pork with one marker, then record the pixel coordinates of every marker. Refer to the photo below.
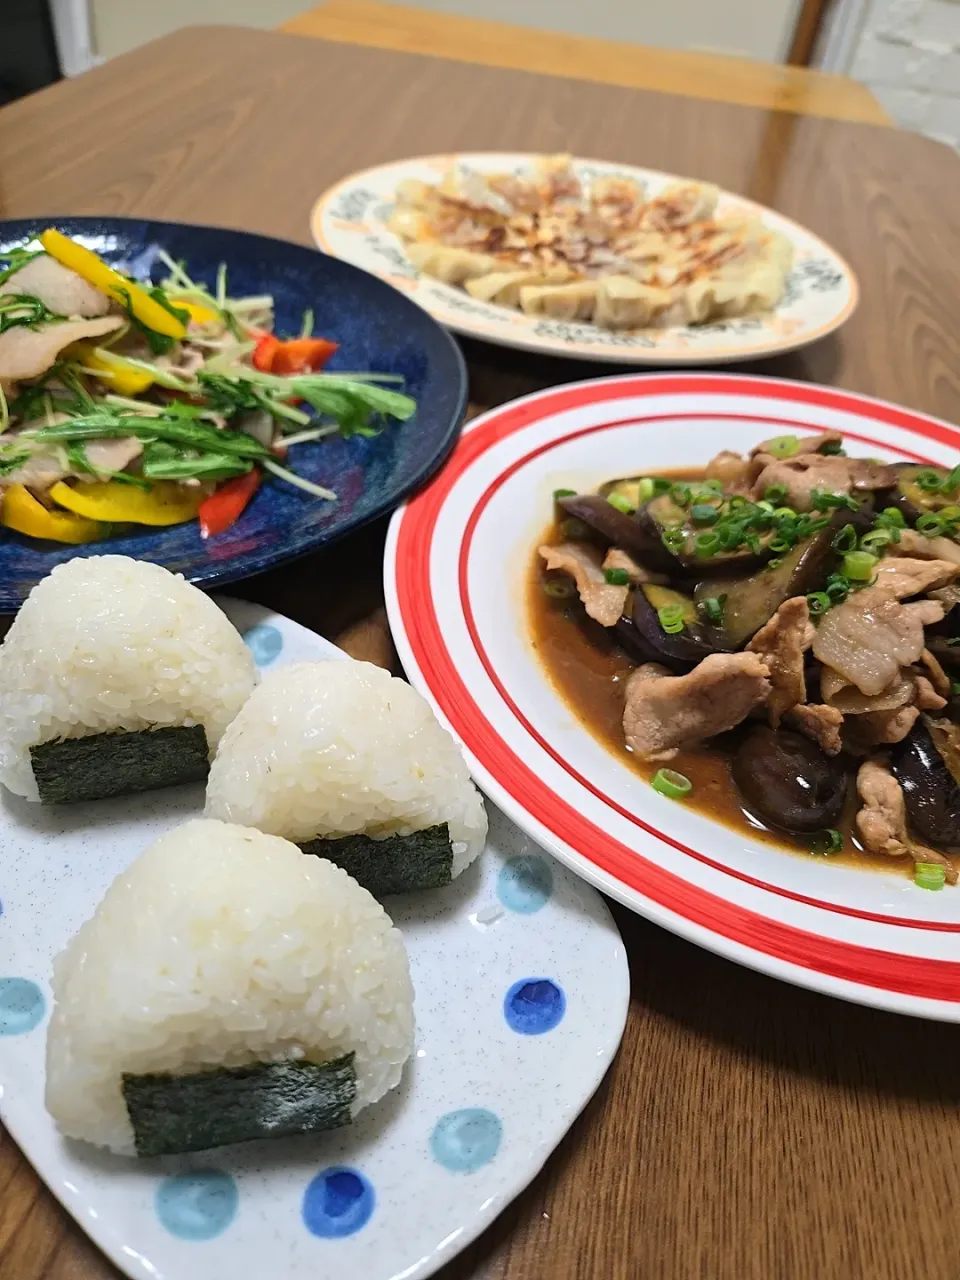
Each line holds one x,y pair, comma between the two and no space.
774,640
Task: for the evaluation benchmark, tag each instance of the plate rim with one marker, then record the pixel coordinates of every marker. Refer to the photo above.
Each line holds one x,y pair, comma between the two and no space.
634,356
771,964
218,574
108,1238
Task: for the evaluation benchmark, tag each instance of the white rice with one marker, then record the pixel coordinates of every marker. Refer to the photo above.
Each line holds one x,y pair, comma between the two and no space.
109,643
221,946
342,748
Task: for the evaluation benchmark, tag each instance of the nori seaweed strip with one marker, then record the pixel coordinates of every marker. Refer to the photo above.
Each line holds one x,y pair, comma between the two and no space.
212,1108
119,764
395,864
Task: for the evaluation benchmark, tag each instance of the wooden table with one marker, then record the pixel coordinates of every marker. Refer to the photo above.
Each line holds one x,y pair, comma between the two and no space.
747,1129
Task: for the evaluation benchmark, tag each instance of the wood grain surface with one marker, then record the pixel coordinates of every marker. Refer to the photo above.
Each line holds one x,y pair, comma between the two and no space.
697,75
747,1129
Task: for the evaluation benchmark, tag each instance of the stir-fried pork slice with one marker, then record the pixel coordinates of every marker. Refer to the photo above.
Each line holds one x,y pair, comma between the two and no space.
603,602
880,728
41,470
882,822
617,559
806,444
665,712
113,455
838,692
60,290
926,697
734,472
819,722
913,543
780,644
28,353
869,637
801,474
938,677
903,576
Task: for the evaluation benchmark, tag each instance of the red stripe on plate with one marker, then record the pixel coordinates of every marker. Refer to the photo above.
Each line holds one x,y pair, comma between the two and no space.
910,975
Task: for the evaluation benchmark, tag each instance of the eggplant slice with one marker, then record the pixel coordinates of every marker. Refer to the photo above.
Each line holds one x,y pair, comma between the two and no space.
927,766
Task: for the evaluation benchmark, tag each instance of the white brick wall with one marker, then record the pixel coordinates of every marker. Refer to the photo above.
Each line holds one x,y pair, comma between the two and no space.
908,55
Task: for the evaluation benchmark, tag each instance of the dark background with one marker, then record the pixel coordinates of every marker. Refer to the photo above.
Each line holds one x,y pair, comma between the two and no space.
28,53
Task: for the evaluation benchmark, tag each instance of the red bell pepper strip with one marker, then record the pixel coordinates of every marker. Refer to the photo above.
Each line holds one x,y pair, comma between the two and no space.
263,352
301,355
224,507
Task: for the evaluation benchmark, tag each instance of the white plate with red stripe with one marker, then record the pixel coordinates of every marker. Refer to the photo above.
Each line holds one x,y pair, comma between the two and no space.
456,567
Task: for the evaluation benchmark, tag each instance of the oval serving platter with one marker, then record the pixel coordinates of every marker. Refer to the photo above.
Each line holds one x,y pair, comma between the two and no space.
521,995
350,221
378,330
457,562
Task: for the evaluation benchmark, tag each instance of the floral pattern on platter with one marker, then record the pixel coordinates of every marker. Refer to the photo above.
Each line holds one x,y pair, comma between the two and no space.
350,221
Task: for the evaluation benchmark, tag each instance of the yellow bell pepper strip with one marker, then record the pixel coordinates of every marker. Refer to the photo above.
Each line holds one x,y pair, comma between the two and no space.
162,504
198,313
118,374
21,511
103,277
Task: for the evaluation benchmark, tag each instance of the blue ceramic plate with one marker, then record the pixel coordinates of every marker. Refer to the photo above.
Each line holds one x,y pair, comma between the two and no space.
377,328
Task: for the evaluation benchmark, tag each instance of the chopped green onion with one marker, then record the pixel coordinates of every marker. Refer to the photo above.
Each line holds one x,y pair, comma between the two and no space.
824,501
714,484
661,484
621,503
712,609
954,685
846,539
764,505
859,565
672,784
703,513
674,539
929,875
775,493
737,501
563,493
706,544
928,481
783,446
875,538
785,513
952,481
831,448
838,589
573,529
827,842
671,618
892,516
680,494
617,577
949,515
780,544
559,590
646,489
930,525
775,563
819,602
729,534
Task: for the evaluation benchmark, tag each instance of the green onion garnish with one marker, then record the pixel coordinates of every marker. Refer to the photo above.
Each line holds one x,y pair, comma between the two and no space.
892,516
823,501
621,503
563,493
819,602
680,494
846,539
783,446
674,539
646,489
929,875
559,590
949,515
673,785
662,485
712,609
930,525
859,565
827,842
875,538
703,513
671,618
954,684
837,588
929,481
775,563
707,544
574,529
617,577
831,448
775,493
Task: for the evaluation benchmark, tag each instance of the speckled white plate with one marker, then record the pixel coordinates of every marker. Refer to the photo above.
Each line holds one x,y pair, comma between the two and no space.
521,995
350,222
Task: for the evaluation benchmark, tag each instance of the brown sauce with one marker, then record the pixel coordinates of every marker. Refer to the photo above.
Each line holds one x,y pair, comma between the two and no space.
588,669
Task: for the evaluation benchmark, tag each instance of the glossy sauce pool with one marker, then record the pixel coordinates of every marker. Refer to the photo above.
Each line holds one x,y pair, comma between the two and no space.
588,669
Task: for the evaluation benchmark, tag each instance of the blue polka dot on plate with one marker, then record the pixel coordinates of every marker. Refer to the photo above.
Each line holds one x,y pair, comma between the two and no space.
464,1141
264,642
22,1006
525,884
197,1206
533,1006
338,1202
